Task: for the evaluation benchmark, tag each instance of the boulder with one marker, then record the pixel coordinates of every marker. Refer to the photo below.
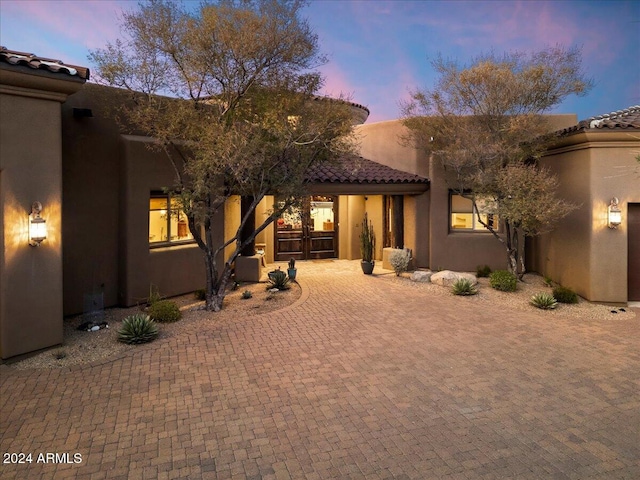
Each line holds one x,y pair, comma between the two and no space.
447,278
423,276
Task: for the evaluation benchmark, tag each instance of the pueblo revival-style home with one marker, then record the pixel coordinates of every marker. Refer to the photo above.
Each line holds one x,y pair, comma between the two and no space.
86,220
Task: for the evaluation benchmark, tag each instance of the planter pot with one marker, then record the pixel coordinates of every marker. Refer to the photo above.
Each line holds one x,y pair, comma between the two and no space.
292,273
367,267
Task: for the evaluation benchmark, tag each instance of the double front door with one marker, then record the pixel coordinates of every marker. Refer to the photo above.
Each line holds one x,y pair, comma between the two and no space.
309,231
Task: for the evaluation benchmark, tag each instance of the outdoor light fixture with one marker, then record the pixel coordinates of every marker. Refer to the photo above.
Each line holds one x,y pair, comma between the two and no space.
614,213
37,225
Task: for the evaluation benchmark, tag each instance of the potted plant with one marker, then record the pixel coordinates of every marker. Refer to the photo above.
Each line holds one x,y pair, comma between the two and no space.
291,271
367,245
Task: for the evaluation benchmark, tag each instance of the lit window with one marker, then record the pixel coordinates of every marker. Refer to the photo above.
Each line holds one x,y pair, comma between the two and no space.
464,218
167,222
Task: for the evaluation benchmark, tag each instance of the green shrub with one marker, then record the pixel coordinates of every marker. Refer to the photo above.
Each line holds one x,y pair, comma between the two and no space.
503,281
399,260
246,295
200,294
165,311
137,329
544,300
547,281
154,294
483,271
462,286
565,295
278,279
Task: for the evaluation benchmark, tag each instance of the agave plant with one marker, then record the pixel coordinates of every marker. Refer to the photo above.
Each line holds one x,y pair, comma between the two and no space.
137,329
544,300
464,287
278,279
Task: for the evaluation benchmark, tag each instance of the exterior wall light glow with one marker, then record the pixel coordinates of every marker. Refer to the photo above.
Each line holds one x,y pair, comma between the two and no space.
614,214
37,225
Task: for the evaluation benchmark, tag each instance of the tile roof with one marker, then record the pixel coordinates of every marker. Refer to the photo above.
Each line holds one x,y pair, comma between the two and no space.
40,63
359,170
627,118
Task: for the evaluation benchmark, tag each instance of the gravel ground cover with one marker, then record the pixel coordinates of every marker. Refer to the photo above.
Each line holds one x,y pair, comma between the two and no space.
531,284
85,348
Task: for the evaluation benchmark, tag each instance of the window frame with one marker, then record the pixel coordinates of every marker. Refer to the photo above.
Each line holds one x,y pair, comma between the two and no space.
476,226
157,194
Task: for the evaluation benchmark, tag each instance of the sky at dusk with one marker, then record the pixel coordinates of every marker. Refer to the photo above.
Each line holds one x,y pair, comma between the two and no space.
380,50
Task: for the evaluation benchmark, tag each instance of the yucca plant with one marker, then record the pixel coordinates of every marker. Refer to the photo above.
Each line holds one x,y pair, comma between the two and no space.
247,294
137,329
544,301
464,287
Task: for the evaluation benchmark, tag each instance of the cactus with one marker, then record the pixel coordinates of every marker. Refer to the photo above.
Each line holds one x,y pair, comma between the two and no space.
367,240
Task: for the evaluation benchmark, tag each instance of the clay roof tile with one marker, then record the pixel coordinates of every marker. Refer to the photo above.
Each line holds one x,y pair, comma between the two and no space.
30,60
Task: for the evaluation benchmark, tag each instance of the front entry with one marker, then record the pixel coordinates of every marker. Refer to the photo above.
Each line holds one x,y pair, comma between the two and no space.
308,232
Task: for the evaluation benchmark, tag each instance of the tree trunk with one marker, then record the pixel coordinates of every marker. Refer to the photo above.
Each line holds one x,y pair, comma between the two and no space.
220,291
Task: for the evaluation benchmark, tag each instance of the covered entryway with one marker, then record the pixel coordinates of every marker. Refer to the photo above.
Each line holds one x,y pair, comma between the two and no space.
310,231
633,252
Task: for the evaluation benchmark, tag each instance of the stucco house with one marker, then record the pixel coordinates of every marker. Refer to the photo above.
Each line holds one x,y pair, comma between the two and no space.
111,232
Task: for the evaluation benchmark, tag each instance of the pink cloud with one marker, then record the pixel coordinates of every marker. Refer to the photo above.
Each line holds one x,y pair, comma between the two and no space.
337,83
86,24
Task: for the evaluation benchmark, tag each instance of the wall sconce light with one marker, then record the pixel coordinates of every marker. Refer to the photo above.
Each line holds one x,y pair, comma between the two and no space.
37,225
614,213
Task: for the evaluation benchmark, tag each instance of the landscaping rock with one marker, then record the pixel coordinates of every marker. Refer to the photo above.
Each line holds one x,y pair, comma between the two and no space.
447,278
423,276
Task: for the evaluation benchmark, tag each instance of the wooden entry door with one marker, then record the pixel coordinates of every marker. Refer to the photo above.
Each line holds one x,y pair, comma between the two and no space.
309,232
633,252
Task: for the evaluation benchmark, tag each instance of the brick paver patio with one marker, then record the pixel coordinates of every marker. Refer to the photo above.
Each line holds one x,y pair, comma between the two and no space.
360,379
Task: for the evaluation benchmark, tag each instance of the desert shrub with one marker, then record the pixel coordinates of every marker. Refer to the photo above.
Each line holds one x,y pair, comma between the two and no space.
547,281
399,260
483,271
154,294
246,295
565,295
200,294
137,329
165,311
543,300
278,279
503,281
463,286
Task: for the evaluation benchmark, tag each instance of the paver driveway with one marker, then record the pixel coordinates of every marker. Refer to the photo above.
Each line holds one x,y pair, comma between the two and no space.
360,379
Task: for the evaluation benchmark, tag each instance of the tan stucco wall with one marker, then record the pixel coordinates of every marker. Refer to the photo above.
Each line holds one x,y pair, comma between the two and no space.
30,170
108,178
457,250
383,143
91,190
264,209
174,270
582,252
416,227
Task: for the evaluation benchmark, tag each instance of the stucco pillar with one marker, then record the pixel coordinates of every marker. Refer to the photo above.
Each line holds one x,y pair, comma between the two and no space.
245,204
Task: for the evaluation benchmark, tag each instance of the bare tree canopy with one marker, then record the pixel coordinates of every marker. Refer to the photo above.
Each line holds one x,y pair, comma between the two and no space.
485,123
229,93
